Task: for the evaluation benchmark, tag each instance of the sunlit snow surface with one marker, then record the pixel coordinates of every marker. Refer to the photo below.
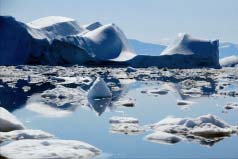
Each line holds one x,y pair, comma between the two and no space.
54,99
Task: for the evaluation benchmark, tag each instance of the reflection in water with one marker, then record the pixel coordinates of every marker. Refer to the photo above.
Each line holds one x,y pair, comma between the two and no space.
62,102
99,105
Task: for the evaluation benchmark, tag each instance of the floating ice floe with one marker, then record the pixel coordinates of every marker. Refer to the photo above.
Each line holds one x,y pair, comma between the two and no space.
206,129
125,125
120,120
99,89
24,134
231,106
231,61
158,91
184,102
49,148
8,121
126,128
62,96
125,102
163,138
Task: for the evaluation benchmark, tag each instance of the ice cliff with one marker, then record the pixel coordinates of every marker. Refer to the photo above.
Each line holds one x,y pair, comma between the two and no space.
58,40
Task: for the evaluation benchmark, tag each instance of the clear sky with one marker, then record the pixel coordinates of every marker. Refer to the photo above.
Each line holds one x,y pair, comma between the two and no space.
145,20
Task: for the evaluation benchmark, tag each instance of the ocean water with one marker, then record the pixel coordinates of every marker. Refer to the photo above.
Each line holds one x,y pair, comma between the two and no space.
90,123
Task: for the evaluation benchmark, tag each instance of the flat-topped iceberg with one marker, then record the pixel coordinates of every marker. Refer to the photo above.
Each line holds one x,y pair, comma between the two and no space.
184,52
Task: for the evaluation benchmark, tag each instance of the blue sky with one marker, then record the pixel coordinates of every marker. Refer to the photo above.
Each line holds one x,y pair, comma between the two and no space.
146,20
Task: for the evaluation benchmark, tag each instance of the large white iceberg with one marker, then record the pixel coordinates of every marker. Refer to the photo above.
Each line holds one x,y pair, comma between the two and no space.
9,122
58,40
49,148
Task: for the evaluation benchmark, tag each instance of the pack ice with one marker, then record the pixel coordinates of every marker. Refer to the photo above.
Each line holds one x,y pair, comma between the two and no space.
59,40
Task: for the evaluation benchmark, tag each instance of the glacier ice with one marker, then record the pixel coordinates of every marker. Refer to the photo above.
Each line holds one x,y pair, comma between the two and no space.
59,40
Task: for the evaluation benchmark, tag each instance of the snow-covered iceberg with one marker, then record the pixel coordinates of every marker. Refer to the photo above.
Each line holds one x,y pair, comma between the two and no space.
58,40
184,52
230,61
9,122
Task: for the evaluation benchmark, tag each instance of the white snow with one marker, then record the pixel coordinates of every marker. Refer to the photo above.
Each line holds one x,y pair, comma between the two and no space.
108,43
99,89
49,21
52,148
8,121
24,134
230,61
163,138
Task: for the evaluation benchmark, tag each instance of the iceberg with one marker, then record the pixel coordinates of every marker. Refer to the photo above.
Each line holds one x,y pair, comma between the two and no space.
230,61
98,90
9,122
59,40
163,138
184,52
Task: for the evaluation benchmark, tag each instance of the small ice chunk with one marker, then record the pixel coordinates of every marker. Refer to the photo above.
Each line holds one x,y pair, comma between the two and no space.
158,91
52,148
128,120
99,89
126,102
231,106
163,138
126,128
130,69
184,102
24,134
8,121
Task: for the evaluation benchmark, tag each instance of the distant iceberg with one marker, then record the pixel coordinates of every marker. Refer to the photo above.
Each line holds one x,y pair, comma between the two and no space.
184,52
230,61
58,40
